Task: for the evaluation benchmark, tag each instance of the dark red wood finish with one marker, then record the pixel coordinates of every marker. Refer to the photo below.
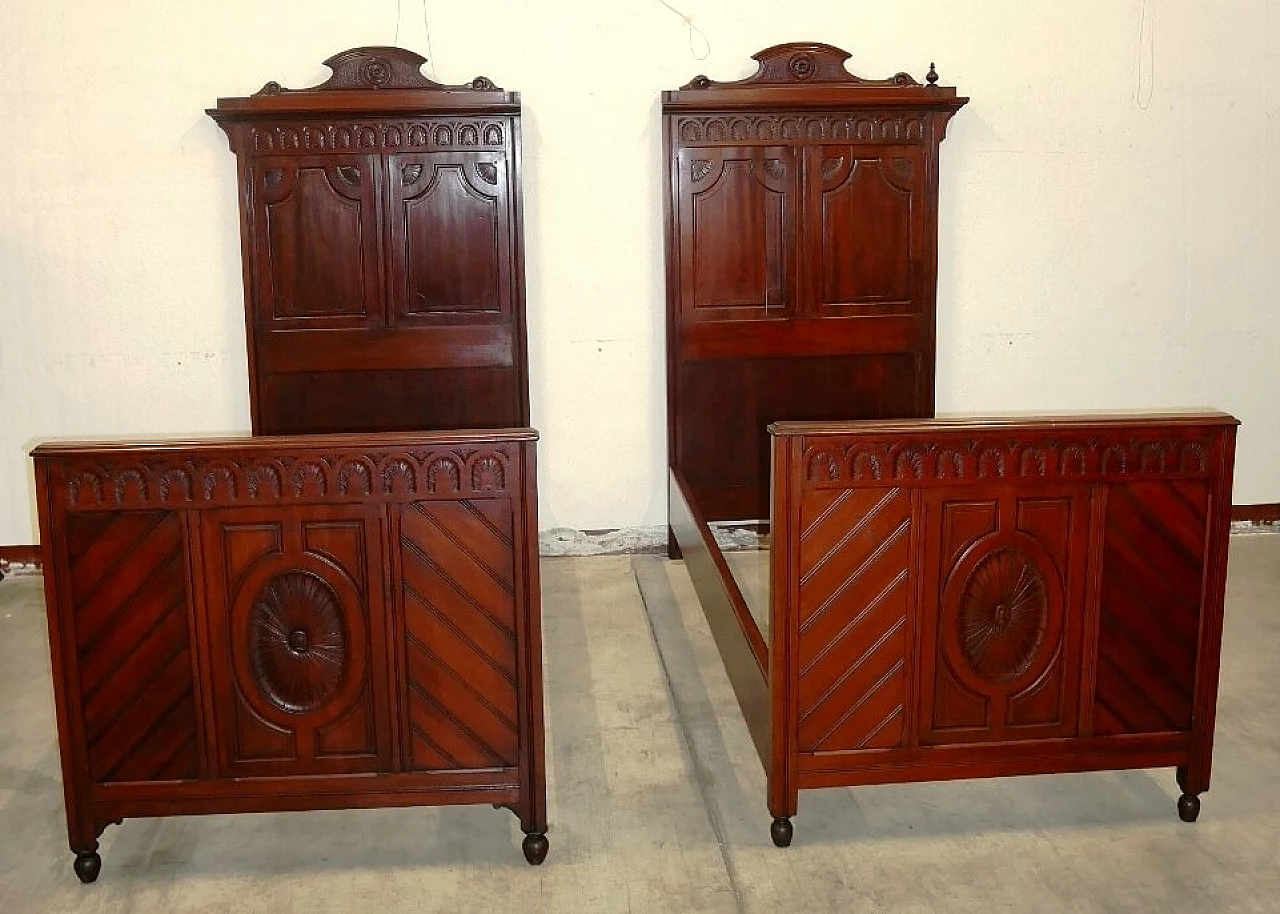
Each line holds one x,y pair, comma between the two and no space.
380,219
801,259
294,623
954,599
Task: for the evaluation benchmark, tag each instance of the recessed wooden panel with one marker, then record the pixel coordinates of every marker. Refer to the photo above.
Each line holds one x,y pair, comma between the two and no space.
320,245
730,456
1152,575
299,630
740,208
871,228
460,638
129,592
367,401
852,659
1002,615
450,235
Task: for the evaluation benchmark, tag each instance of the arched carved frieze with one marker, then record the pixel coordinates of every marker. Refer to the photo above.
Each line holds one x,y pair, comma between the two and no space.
822,465
174,484
399,476
443,475
891,127
992,462
355,477
310,479
129,484
378,135
908,463
948,459
488,473
263,480
1032,462
221,480
458,472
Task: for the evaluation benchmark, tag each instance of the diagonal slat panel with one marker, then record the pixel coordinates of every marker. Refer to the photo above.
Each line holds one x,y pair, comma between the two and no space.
854,588
459,610
140,720
1151,578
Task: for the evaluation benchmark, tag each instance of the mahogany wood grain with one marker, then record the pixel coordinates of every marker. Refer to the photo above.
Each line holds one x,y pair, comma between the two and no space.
801,223
988,597
381,227
741,646
305,622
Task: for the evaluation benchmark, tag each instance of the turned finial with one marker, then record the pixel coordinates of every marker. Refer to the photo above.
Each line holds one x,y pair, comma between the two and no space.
932,78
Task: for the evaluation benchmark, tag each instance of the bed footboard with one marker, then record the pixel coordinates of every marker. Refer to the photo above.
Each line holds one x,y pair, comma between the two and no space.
318,622
977,598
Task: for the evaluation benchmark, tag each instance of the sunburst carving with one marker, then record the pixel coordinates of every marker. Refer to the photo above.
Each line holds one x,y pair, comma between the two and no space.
297,641
1004,611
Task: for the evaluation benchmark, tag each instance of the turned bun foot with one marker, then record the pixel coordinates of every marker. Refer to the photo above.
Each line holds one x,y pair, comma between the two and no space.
1188,807
535,848
781,831
88,865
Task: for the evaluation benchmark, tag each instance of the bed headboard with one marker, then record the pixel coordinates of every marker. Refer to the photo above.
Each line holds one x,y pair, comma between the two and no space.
380,218
801,227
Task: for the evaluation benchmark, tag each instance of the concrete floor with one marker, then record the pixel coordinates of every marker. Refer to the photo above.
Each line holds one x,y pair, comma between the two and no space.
657,799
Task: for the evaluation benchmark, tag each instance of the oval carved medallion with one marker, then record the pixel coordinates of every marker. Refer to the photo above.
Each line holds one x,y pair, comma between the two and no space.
297,641
1003,614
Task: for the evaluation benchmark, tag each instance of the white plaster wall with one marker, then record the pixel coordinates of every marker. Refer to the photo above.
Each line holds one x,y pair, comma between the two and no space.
1093,254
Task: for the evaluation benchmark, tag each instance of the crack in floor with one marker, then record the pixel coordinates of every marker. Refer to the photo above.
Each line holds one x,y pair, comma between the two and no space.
700,768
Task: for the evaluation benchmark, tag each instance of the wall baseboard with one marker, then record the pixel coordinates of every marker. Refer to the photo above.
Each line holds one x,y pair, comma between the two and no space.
1256,514
18,555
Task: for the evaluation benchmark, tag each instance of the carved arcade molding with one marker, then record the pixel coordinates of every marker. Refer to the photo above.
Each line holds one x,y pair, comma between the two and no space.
455,473
840,463
860,127
346,136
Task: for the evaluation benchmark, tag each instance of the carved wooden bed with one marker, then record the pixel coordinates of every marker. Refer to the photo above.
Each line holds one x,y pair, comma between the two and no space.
944,598
273,623
311,619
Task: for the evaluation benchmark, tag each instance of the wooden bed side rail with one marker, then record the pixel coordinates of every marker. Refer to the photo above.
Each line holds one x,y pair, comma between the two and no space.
738,639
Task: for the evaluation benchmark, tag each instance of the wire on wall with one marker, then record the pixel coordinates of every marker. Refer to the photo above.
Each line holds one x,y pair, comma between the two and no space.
693,29
1146,63
426,29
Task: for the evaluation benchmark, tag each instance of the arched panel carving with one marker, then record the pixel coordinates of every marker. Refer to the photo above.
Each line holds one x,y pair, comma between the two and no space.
453,230
740,206
315,225
867,238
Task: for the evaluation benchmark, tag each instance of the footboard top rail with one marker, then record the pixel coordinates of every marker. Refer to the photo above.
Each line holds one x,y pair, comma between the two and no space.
220,472
951,450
